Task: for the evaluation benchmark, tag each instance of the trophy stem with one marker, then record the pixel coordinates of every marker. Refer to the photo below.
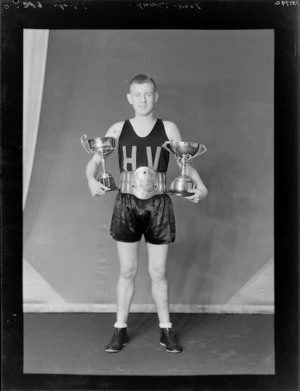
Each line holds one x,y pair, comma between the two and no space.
184,161
183,169
103,165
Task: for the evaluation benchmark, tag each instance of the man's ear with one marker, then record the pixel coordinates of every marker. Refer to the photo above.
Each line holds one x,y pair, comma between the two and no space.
129,98
156,96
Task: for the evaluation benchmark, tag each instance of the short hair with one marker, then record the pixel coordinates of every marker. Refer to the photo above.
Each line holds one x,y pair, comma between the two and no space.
142,79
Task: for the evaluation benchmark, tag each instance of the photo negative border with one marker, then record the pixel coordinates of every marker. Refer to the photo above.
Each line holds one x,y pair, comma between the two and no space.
282,17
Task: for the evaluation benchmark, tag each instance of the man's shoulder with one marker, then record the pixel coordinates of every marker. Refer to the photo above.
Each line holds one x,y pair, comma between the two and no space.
168,124
115,129
118,125
172,130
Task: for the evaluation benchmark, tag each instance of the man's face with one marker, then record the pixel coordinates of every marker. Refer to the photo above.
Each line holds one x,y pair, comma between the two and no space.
143,98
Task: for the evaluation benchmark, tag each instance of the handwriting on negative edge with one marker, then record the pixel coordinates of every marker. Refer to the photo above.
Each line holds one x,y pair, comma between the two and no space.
286,3
167,5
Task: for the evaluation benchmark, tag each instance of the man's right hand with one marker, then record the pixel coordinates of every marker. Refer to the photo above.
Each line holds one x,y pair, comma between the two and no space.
96,188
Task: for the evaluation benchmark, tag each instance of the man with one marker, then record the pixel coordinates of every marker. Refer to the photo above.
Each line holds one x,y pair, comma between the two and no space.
143,162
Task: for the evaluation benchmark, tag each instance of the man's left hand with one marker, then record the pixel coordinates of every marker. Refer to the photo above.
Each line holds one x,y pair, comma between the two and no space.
196,195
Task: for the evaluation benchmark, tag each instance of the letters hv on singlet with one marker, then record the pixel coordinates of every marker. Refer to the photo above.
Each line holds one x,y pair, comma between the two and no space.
135,151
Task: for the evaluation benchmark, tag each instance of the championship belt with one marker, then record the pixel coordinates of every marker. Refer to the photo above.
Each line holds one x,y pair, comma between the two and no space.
144,182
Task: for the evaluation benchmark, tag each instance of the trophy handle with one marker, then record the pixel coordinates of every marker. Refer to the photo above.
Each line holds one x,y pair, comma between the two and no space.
165,145
202,150
85,143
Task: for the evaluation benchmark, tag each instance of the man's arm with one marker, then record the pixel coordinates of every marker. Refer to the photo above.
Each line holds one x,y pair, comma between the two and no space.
91,170
200,192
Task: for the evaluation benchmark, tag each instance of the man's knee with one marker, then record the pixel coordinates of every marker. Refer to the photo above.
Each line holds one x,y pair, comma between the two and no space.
128,273
158,273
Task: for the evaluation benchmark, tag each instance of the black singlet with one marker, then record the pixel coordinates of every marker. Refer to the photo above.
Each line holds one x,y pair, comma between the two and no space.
135,151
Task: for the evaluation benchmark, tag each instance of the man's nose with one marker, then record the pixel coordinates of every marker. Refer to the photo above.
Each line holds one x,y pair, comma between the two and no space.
143,98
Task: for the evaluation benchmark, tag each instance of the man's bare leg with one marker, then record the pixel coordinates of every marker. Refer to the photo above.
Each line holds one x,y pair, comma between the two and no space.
125,290
158,272
128,269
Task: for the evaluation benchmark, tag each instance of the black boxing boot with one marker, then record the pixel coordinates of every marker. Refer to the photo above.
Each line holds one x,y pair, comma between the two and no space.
118,340
169,340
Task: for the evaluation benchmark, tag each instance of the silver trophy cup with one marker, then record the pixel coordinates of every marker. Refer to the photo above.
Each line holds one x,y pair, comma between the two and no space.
183,152
103,146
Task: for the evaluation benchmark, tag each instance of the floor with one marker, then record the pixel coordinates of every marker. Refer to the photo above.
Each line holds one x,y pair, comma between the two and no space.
213,344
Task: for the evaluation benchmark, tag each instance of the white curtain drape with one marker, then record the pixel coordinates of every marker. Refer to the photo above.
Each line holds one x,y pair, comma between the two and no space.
35,44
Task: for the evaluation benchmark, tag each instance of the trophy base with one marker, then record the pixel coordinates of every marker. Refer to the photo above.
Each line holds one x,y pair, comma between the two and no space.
180,186
108,181
182,193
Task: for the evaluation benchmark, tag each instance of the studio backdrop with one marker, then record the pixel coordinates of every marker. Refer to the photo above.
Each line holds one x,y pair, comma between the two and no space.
217,86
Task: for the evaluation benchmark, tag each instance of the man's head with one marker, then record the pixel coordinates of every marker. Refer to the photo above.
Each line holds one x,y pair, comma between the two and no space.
142,79
142,94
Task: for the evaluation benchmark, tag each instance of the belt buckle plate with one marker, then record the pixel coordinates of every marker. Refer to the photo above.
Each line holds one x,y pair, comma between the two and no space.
144,182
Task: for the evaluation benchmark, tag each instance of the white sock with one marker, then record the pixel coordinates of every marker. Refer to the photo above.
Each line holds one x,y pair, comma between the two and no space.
166,325
119,325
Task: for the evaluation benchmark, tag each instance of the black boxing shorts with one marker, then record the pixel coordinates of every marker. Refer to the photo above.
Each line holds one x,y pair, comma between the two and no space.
132,218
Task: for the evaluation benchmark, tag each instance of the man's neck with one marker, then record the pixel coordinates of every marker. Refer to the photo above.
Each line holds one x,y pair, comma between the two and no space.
144,119
143,124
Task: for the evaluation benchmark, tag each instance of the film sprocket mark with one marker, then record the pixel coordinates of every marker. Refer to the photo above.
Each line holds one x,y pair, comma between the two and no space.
183,152
103,146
